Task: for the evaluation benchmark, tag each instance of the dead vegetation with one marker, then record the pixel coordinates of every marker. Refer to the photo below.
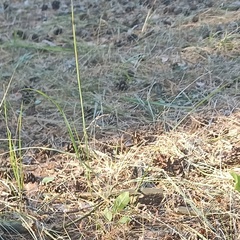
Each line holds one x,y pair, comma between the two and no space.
160,84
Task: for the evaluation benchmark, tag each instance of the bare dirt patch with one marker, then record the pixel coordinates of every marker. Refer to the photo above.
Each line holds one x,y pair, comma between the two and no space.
160,84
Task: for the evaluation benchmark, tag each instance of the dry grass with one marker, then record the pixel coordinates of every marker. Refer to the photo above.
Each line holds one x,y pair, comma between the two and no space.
162,112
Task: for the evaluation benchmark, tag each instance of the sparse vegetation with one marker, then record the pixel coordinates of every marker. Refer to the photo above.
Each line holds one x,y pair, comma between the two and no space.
119,120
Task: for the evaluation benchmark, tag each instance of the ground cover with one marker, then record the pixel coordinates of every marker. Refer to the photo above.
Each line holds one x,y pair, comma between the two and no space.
160,85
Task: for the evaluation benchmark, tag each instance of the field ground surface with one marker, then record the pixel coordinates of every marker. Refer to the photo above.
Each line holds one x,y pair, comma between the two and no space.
161,100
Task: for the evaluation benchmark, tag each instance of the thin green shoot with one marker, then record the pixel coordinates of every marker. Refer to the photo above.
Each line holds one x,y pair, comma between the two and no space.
85,136
71,132
14,158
